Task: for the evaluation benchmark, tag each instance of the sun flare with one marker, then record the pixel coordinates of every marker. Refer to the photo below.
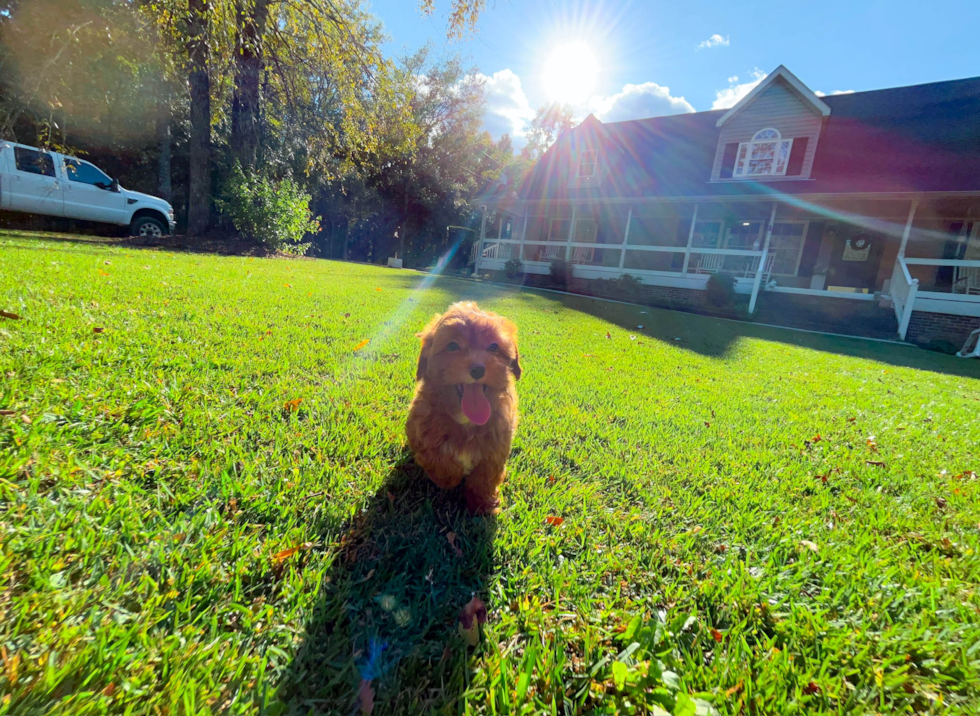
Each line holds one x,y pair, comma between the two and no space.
570,73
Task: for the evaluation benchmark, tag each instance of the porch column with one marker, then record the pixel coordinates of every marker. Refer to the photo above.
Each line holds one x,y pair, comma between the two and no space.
571,234
483,235
908,228
762,260
690,240
626,235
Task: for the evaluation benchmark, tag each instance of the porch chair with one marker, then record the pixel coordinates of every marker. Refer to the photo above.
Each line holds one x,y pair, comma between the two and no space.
582,255
551,252
710,263
966,352
766,269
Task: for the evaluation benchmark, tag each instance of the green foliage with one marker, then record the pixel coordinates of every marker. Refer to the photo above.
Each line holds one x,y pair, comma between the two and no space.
560,272
720,291
274,212
180,537
514,268
624,288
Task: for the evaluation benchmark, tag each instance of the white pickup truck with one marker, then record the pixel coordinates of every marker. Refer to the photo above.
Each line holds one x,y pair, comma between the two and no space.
37,181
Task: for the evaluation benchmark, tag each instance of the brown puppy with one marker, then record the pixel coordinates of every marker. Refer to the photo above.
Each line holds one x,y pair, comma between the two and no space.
464,412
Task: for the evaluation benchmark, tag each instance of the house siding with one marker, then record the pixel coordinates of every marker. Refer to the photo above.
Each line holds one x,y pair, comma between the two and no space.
778,107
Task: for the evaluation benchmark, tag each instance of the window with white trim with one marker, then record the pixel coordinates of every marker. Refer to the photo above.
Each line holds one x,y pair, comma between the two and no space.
558,229
585,231
786,246
586,165
766,155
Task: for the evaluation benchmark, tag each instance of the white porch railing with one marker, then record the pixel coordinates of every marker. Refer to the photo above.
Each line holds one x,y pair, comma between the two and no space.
908,296
903,289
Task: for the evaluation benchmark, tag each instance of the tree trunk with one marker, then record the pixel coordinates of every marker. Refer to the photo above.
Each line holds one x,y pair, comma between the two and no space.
199,190
164,186
245,120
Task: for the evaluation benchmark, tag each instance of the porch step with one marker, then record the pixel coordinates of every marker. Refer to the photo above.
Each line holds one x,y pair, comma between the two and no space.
830,315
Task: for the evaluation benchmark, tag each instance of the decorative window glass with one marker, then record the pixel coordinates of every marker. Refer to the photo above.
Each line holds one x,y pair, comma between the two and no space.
766,155
586,165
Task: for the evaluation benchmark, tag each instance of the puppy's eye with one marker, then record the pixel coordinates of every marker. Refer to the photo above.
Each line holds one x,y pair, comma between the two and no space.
493,348
452,347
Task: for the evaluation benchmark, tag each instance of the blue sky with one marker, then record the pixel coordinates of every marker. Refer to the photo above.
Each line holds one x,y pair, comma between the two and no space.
657,58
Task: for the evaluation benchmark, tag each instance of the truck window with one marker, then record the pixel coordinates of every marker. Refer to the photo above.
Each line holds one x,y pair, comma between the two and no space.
85,173
33,161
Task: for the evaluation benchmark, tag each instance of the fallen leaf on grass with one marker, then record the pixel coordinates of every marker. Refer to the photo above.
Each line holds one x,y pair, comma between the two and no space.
102,273
608,334
451,538
377,289
25,419
470,618
588,355
707,424
8,412
347,315
735,689
874,463
280,557
810,545
363,343
555,521
872,445
365,695
967,475
811,689
98,330
941,503
292,405
851,420
816,438
11,316
716,635
287,285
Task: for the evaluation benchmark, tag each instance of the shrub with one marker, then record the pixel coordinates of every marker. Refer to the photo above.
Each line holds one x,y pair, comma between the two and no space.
721,290
274,212
561,273
514,268
626,287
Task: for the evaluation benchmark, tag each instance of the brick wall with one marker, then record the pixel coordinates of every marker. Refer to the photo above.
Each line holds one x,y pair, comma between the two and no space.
925,328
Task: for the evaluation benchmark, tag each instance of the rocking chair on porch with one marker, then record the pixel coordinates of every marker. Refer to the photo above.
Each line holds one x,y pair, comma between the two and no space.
967,280
974,337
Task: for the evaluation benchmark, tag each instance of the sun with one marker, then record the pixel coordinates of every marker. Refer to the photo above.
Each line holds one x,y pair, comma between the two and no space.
570,73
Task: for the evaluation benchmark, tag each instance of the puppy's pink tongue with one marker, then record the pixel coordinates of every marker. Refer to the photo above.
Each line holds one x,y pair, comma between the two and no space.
475,405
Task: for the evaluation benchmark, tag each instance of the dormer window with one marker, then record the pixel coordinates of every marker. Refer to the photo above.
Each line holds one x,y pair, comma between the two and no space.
766,155
586,165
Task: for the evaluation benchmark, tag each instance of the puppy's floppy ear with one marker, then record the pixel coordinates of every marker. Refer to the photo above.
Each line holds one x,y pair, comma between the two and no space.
515,365
426,336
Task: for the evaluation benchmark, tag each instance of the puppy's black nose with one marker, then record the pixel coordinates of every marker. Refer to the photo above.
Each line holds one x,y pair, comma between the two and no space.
478,371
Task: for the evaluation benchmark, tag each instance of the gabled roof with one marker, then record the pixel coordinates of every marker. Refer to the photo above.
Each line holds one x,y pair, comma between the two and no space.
924,138
780,73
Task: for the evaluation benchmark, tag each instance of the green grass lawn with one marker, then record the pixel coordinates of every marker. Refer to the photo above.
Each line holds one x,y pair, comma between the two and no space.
206,504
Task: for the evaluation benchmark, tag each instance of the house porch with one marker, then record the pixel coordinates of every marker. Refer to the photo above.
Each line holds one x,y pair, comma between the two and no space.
854,249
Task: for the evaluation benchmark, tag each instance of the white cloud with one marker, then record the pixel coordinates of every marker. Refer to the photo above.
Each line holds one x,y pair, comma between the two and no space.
824,94
714,41
638,102
729,97
508,110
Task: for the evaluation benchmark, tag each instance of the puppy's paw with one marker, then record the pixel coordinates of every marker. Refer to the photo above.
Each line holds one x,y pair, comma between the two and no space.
480,503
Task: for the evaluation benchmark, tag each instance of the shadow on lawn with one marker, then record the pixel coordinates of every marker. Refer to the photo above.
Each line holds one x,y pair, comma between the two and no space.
389,604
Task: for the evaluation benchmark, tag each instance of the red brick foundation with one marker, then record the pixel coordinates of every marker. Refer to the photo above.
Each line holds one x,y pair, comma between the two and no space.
926,328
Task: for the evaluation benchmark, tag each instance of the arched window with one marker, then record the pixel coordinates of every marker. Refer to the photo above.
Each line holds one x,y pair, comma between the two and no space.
766,155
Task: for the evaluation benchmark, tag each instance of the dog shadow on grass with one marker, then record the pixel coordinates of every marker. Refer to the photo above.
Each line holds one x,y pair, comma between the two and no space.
389,604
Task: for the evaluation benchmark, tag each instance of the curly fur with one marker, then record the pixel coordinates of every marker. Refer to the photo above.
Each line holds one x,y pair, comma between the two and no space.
446,444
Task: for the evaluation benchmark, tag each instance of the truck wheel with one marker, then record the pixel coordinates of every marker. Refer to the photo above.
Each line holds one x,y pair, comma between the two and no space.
148,227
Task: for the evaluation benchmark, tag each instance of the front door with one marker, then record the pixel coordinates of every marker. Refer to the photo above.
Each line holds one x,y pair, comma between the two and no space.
89,195
34,186
855,261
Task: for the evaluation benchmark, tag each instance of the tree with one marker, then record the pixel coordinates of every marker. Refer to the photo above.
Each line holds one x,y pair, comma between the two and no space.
548,124
199,84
